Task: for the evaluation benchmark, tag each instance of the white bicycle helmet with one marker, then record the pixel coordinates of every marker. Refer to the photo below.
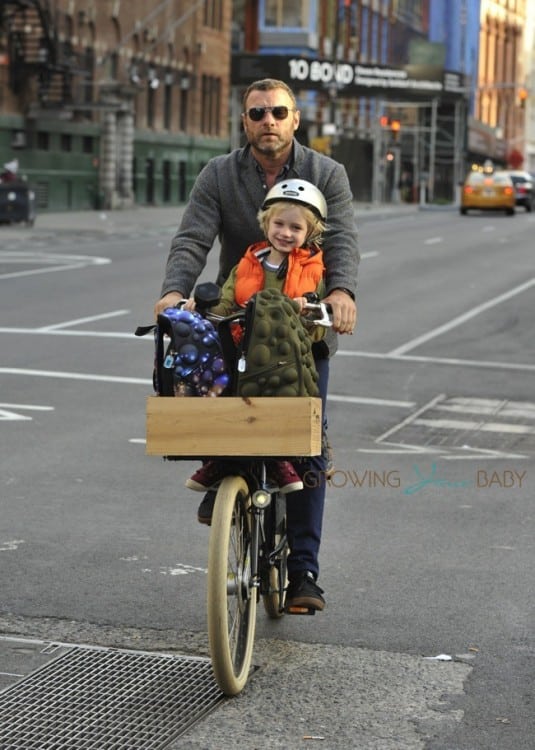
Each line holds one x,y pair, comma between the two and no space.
298,191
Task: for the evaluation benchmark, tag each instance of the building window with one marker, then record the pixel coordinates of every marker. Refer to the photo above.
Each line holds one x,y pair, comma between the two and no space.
183,111
364,51
166,169
89,70
213,14
151,103
211,106
66,142
182,171
168,102
375,38
87,144
286,14
43,140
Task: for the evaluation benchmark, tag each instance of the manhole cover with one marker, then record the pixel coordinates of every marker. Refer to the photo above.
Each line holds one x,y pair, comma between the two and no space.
497,426
104,699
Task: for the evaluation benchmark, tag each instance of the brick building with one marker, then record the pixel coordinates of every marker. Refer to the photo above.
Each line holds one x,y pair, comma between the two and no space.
109,102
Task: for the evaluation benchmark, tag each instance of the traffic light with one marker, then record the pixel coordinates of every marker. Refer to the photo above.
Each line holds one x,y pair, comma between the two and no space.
395,127
522,96
394,124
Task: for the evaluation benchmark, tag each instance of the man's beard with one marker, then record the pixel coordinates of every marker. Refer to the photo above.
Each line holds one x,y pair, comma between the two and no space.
272,147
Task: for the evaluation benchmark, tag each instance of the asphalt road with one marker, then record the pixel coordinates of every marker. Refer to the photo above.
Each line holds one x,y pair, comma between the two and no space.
428,542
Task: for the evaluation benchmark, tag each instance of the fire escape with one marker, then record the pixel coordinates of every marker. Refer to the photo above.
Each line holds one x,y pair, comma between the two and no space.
41,70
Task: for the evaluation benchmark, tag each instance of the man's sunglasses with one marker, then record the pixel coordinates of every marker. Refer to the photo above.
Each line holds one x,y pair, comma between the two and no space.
258,113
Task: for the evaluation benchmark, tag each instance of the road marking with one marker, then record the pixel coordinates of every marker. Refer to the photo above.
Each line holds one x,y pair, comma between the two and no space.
440,435
438,360
31,407
464,424
472,454
471,405
80,321
74,376
411,417
371,254
460,319
7,415
11,545
64,263
371,401
80,334
180,569
433,240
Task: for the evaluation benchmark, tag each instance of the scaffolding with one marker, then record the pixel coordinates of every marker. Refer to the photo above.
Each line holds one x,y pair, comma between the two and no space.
431,149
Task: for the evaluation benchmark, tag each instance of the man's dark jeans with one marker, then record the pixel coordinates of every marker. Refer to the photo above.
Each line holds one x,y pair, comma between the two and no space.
304,509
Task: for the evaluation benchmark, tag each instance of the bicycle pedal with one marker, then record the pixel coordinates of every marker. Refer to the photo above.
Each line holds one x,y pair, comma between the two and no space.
300,610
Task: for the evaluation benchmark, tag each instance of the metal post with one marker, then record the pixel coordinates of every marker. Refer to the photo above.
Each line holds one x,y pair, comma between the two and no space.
459,166
432,149
396,194
378,166
415,164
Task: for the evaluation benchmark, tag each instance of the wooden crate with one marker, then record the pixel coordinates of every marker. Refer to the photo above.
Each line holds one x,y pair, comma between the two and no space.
233,426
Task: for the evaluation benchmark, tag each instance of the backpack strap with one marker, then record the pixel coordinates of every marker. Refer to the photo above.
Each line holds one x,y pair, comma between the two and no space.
160,328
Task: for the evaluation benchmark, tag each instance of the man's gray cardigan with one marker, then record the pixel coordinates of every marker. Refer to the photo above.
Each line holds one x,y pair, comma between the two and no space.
224,203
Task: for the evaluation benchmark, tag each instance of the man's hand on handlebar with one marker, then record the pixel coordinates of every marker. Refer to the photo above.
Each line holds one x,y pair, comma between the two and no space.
344,311
168,300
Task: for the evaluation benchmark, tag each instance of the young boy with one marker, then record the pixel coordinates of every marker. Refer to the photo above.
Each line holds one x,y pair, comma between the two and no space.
292,218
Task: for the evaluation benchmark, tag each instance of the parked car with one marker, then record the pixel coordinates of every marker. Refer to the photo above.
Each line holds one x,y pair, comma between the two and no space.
17,202
524,189
488,191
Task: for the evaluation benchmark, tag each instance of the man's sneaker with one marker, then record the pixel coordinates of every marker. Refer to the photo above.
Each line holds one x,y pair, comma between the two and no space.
206,508
207,477
303,594
285,476
327,454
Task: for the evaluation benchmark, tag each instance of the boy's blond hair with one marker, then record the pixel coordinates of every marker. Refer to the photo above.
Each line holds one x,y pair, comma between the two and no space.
316,227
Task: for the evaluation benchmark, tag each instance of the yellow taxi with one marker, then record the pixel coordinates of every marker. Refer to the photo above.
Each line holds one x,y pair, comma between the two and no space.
484,190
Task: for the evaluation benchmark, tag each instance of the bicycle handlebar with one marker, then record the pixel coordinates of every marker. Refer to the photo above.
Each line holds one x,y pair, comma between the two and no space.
319,313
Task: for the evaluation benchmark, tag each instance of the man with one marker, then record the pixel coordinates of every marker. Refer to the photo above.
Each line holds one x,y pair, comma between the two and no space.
224,203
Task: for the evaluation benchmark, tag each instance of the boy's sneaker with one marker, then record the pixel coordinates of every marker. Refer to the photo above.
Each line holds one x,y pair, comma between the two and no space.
285,476
303,594
206,508
207,477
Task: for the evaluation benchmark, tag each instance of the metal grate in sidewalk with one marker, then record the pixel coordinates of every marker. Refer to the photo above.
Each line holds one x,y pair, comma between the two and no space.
104,699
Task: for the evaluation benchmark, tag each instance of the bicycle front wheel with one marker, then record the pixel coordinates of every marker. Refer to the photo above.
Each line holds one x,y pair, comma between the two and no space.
231,604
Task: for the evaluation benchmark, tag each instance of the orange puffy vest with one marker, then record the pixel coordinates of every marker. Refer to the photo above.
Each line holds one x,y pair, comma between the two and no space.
305,271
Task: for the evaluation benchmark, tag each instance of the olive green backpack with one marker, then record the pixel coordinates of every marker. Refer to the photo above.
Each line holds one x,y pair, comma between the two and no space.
275,355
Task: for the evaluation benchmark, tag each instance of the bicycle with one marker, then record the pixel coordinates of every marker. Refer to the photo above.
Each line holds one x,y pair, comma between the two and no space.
248,545
247,556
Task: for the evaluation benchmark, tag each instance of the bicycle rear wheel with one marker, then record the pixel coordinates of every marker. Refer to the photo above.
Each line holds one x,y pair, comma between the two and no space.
231,605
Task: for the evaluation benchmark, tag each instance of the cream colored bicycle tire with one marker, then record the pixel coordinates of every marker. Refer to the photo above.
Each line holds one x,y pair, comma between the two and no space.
231,601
